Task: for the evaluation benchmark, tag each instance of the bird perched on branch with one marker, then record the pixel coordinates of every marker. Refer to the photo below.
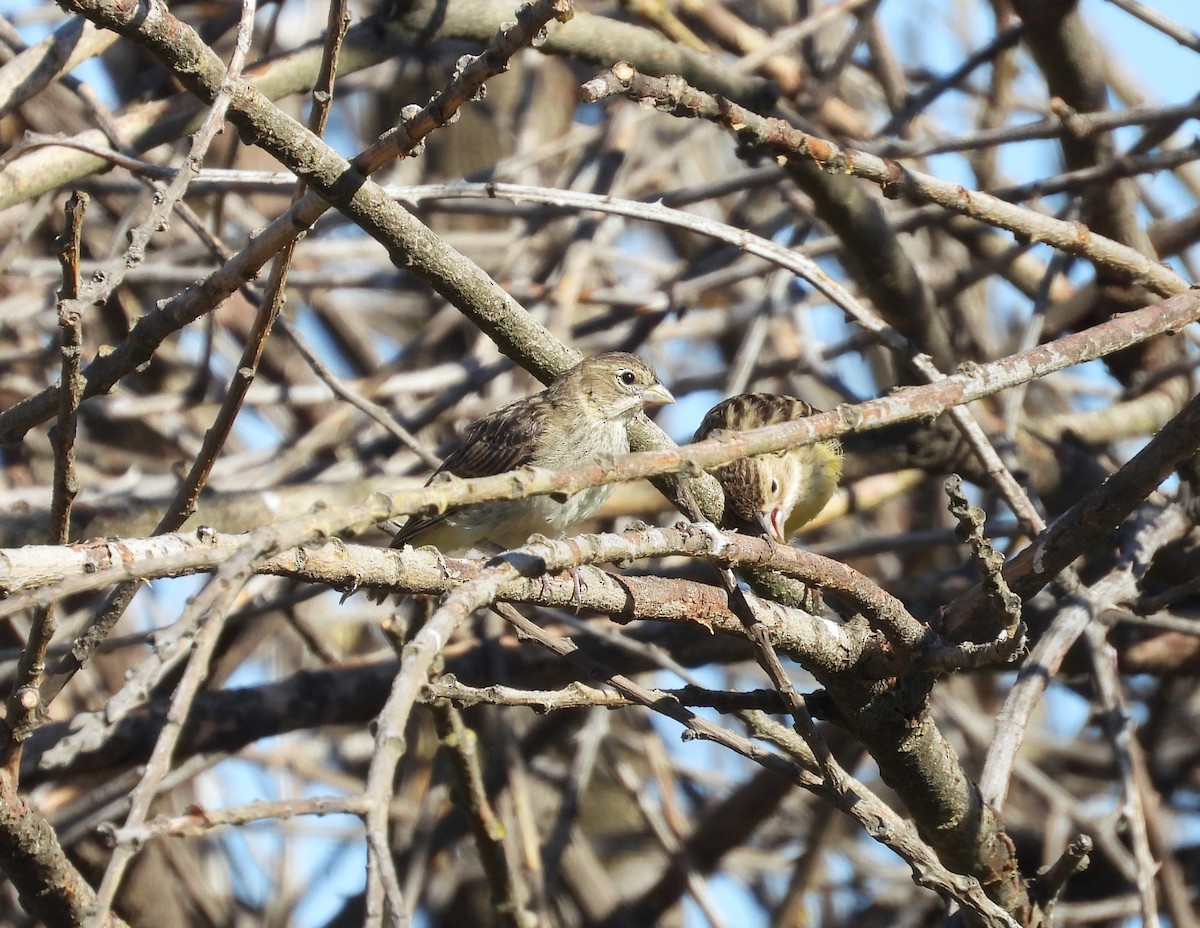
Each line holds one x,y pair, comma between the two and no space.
780,491
584,413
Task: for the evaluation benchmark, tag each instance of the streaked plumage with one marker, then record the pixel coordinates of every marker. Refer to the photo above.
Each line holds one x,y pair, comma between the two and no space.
582,414
776,492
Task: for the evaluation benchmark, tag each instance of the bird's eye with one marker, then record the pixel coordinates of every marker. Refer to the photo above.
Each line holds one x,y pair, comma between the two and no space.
627,377
774,485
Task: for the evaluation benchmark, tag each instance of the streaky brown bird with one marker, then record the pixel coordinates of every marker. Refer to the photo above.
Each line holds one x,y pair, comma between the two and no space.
583,414
780,491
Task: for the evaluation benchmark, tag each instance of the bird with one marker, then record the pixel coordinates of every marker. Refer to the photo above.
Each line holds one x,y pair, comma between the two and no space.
585,412
776,492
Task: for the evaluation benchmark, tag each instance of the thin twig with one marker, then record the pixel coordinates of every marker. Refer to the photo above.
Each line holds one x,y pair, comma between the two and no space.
25,705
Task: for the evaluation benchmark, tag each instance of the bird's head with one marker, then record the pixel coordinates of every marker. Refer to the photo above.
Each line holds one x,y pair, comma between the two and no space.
773,489
760,493
617,385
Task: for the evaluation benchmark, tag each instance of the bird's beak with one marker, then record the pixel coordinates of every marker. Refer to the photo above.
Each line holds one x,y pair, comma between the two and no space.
657,395
772,524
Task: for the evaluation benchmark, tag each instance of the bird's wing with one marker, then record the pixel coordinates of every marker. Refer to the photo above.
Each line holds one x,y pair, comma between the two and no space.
499,442
715,420
752,411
